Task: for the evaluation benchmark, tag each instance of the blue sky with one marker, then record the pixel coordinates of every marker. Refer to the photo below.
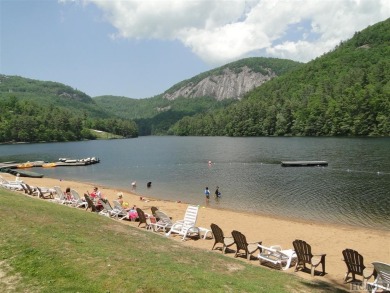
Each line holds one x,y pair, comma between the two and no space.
140,48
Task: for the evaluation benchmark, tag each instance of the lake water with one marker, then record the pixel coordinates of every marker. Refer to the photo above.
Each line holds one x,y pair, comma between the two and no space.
354,189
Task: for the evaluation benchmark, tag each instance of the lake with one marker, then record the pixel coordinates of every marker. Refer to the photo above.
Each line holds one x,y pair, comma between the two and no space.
353,189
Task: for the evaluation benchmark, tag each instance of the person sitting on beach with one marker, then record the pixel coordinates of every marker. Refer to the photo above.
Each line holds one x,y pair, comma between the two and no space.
133,215
17,179
124,204
120,198
68,194
95,194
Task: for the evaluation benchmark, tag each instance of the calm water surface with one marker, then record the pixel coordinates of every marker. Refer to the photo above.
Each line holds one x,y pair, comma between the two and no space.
354,189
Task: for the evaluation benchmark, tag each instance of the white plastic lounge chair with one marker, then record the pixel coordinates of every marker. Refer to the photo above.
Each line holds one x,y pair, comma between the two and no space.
187,226
276,255
14,185
77,200
17,181
151,222
205,231
107,209
121,213
59,196
382,281
164,221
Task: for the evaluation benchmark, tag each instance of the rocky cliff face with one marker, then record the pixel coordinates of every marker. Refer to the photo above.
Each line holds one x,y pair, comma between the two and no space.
229,85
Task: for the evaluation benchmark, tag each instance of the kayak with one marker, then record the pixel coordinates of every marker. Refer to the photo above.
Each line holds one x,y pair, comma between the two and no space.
25,165
49,165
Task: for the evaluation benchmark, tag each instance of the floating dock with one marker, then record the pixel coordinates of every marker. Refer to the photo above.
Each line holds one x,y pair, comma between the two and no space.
15,168
304,163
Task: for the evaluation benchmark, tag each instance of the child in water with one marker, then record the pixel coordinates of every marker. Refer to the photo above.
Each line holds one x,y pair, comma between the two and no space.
217,194
207,193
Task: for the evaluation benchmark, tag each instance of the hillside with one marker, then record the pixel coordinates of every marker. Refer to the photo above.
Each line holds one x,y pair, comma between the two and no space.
48,93
344,92
33,111
72,112
156,115
206,92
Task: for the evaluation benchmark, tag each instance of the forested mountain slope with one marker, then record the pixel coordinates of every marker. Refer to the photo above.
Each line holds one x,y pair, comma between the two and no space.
344,92
156,115
48,93
206,92
32,111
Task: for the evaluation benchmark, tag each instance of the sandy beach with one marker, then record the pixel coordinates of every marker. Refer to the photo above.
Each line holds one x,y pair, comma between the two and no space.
374,245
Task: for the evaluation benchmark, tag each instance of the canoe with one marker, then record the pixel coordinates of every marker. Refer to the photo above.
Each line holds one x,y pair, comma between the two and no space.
24,173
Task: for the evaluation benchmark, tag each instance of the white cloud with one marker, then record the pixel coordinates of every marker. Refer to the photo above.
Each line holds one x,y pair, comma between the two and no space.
219,31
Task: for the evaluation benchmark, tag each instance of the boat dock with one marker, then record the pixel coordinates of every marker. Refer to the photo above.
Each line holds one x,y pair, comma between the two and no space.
304,163
15,168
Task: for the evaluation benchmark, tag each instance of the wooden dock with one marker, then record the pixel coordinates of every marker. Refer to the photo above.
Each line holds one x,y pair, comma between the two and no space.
304,163
14,168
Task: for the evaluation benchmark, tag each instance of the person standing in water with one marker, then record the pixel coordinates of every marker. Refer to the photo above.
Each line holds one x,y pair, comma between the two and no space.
207,193
217,194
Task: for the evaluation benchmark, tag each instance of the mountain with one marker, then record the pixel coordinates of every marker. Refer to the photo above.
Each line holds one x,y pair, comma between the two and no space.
156,115
206,92
33,111
49,93
345,92
72,112
233,80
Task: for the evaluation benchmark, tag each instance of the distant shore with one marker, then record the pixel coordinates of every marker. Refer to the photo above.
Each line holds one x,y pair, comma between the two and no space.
374,245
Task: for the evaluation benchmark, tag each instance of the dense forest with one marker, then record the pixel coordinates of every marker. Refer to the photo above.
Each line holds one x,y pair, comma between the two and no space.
154,116
26,121
345,92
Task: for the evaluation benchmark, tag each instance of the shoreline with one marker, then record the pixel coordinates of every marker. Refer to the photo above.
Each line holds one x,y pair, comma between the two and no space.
264,215
373,244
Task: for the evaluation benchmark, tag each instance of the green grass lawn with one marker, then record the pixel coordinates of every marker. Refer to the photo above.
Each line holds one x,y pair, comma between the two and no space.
104,135
47,247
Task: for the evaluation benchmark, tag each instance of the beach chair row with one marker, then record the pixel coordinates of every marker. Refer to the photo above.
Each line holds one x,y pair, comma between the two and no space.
302,255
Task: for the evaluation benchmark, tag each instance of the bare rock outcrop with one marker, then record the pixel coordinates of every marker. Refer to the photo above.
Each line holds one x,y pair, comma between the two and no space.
229,85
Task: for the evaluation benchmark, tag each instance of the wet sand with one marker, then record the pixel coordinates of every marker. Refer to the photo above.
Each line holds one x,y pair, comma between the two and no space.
374,245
